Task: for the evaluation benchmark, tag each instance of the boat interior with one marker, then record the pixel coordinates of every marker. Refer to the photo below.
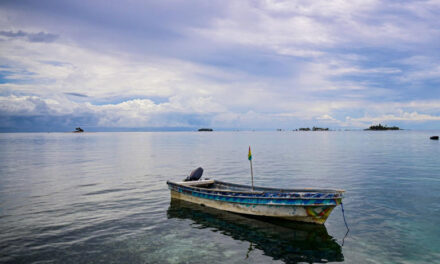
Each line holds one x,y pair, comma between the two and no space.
226,186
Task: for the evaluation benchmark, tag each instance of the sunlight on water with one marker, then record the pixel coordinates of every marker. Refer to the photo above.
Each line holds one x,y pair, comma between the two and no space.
102,197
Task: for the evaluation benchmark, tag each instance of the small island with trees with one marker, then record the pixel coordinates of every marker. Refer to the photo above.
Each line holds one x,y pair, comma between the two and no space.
381,128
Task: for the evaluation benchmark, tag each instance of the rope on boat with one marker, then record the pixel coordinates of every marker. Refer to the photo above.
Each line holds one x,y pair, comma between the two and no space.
345,222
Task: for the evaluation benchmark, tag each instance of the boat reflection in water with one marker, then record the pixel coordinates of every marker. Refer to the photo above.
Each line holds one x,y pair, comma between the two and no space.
280,239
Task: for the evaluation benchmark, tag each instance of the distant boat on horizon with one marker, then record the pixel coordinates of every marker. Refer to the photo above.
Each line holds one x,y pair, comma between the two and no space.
78,130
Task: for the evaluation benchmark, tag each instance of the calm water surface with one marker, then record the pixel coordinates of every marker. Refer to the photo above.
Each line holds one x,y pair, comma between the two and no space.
102,197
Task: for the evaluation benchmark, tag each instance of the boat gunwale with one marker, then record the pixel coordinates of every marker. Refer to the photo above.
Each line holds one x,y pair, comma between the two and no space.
210,192
304,190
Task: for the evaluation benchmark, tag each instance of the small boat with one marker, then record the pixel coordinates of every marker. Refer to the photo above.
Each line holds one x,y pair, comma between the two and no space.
434,137
303,205
78,130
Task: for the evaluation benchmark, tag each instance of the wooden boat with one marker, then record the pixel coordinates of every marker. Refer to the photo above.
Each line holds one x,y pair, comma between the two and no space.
303,205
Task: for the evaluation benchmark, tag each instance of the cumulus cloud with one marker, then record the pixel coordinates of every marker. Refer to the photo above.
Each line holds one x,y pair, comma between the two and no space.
247,64
132,113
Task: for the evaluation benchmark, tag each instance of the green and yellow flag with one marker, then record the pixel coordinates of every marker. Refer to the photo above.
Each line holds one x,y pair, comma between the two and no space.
250,154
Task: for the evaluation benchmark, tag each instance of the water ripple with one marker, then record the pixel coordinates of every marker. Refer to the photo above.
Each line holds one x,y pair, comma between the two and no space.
102,197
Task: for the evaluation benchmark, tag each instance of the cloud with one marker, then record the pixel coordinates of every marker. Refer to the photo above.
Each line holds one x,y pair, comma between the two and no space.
247,64
325,117
32,37
13,34
179,112
404,116
76,94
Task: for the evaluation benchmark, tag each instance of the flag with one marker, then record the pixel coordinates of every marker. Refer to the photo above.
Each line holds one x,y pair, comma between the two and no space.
250,154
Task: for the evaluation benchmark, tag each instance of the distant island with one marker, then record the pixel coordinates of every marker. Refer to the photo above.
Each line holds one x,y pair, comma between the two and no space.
313,129
206,130
78,130
380,127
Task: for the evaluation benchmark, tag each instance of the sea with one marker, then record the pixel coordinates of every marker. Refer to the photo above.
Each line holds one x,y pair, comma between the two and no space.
103,198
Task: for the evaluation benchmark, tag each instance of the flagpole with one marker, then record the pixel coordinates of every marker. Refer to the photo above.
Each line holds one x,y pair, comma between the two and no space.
252,171
252,176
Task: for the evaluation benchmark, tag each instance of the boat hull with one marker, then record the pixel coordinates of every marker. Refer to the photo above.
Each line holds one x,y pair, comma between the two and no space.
296,211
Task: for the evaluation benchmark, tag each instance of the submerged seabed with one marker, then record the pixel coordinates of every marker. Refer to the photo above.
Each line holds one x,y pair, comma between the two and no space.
102,197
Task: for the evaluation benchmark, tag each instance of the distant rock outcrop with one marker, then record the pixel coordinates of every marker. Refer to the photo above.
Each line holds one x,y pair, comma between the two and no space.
380,127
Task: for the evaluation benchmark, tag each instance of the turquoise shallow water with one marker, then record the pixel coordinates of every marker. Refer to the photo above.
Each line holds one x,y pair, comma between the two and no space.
102,197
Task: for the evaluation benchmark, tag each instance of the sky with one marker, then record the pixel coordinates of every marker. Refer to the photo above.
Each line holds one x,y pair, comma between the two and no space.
180,65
